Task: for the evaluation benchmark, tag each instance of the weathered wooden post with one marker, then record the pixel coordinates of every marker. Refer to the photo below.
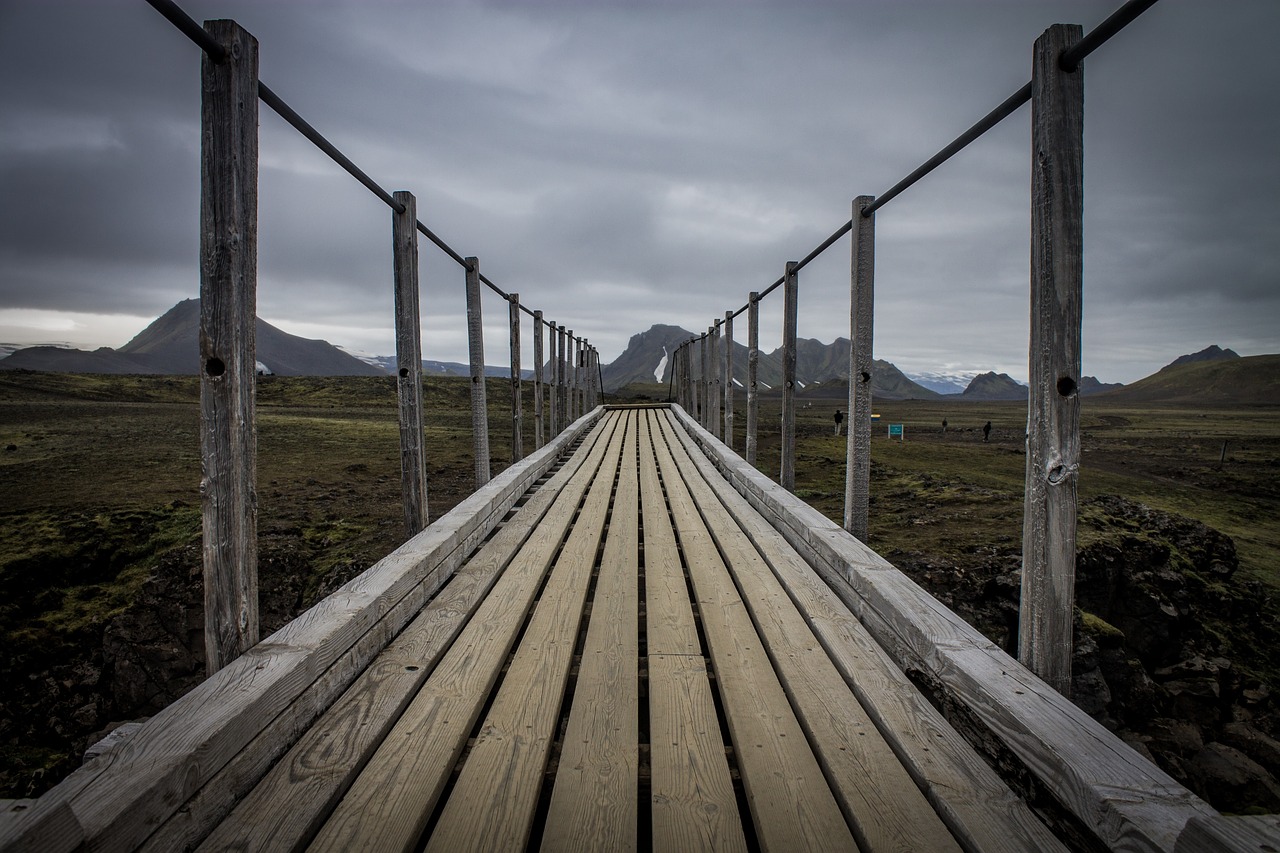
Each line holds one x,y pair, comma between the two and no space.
717,381
228,322
790,300
705,402
553,404
538,435
561,380
728,379
571,377
413,467
753,373
479,398
517,402
857,469
1046,617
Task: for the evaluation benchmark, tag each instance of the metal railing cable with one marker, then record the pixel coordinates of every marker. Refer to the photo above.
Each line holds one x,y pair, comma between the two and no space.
1069,61
188,26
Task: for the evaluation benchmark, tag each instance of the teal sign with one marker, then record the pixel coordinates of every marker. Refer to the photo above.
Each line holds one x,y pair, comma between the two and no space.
895,431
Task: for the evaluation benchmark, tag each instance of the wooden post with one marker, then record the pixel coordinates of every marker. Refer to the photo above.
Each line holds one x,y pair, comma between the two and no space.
561,379
553,404
413,468
571,375
228,323
538,435
1046,616
790,295
517,402
704,403
717,381
753,373
728,379
479,398
857,469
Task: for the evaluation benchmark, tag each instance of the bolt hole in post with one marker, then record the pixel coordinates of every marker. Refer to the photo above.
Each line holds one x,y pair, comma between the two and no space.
404,373
215,367
1066,386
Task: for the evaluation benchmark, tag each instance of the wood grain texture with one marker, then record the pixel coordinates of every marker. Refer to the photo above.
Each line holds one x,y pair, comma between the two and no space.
120,798
504,767
475,354
879,799
1235,834
593,800
728,378
284,810
977,806
792,807
517,400
388,805
228,300
692,801
790,307
862,266
1047,607
539,426
1129,802
413,470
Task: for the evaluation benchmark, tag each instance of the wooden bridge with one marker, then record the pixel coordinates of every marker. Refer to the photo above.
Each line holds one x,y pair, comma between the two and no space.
629,640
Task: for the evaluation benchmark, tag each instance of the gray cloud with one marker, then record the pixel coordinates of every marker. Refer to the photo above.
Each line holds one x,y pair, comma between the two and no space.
621,165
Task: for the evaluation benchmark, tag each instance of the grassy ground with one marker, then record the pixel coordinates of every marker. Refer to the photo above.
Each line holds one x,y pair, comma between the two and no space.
99,486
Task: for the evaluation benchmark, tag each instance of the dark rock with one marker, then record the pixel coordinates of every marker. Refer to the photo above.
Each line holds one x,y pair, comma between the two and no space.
1232,781
1256,744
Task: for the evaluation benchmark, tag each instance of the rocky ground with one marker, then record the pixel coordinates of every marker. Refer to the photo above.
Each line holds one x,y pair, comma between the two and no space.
1171,644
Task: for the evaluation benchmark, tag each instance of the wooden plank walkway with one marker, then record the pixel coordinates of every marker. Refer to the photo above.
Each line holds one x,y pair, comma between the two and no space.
607,648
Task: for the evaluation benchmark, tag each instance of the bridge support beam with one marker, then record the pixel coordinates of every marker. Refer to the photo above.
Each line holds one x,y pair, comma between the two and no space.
479,397
228,324
790,306
753,374
1046,616
413,469
517,402
728,379
857,472
538,428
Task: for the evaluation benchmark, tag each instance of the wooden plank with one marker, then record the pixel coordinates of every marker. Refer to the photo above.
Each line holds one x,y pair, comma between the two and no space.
692,801
857,475
977,806
228,296
505,765
1047,609
792,806
286,808
1235,834
390,802
1129,802
880,801
593,800
413,471
475,353
121,797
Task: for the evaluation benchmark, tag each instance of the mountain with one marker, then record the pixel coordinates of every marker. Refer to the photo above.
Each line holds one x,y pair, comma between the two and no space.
171,344
1091,385
387,363
1209,353
823,366
994,386
647,357
1250,380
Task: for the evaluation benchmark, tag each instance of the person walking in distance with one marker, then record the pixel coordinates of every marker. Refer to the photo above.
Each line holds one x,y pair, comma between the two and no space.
839,419
986,432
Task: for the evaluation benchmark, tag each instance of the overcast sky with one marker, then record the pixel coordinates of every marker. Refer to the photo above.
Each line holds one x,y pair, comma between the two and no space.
621,164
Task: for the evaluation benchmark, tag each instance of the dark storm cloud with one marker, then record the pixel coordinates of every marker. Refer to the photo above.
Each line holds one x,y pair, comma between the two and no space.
624,164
